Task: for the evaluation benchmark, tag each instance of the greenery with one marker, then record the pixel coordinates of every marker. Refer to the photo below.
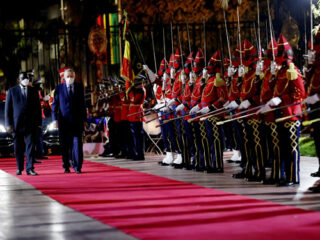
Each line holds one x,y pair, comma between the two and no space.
307,147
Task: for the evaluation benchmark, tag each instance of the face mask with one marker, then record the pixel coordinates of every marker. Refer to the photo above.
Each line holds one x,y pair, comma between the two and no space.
25,82
69,80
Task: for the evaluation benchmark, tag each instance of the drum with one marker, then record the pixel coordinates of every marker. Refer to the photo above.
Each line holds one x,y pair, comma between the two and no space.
150,127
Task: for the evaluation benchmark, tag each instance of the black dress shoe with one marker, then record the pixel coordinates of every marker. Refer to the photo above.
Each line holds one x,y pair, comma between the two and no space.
137,158
78,171
240,175
19,172
315,174
269,181
214,170
42,157
316,189
178,166
199,169
163,164
36,161
32,172
106,155
66,170
188,167
254,178
286,184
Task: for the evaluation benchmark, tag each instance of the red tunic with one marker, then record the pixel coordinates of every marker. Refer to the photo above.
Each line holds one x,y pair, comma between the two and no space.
290,92
250,91
214,93
116,108
267,93
124,106
137,97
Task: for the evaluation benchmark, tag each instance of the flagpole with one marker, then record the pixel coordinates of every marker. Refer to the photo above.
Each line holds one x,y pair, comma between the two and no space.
119,32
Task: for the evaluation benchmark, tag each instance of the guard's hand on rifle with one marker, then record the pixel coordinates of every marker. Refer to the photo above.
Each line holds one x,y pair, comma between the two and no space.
311,57
194,110
263,109
240,70
232,105
180,108
259,68
273,102
204,73
244,104
205,110
171,102
165,110
192,77
183,77
231,71
172,73
312,99
273,68
145,67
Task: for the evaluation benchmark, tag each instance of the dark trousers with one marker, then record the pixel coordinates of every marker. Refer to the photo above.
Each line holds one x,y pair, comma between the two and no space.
71,144
216,142
189,149
125,147
39,143
289,133
137,140
316,129
24,146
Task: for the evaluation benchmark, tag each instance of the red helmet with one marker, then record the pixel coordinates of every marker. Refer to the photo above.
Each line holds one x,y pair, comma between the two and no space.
187,64
162,67
274,49
214,63
285,51
177,59
199,61
248,52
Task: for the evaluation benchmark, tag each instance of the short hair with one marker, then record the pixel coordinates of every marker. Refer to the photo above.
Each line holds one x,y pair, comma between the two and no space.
68,70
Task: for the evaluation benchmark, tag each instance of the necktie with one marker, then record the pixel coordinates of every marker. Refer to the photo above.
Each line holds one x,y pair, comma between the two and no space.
24,93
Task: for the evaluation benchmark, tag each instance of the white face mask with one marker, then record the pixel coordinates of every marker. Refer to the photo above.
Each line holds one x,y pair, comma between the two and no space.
69,80
25,82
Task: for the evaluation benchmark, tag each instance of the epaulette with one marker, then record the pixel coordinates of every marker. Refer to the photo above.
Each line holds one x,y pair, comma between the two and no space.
292,73
218,82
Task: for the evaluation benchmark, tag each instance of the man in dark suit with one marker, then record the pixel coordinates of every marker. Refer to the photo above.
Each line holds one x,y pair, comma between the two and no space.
23,117
69,111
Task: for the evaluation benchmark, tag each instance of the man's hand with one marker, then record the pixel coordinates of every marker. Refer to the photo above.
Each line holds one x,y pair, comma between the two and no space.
194,110
273,102
232,105
10,129
245,104
205,110
312,99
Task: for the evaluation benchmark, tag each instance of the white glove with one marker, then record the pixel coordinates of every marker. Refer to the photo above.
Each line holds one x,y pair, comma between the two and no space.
204,73
312,99
205,110
46,98
273,102
145,67
192,77
232,105
240,70
164,81
263,109
231,71
171,102
273,68
180,108
165,110
183,77
172,73
194,110
259,68
245,104
158,106
311,57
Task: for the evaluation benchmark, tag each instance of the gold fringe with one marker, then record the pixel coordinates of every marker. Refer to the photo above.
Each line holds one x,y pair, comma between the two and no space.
292,73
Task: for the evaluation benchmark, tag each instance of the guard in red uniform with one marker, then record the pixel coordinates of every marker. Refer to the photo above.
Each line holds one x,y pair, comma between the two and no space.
137,96
250,98
214,96
289,89
198,128
270,127
313,99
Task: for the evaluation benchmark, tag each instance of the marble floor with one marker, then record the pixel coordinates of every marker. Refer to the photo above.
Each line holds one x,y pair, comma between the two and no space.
25,213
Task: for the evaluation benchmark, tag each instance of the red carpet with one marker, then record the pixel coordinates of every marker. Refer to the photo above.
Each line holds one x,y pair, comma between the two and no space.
152,207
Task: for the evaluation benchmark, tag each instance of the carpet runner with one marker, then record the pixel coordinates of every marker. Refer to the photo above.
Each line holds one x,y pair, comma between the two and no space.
152,207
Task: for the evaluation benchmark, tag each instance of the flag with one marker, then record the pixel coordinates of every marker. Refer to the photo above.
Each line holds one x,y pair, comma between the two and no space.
126,71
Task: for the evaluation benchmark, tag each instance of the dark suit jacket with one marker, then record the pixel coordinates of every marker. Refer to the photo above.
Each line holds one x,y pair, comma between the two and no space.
22,115
69,111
